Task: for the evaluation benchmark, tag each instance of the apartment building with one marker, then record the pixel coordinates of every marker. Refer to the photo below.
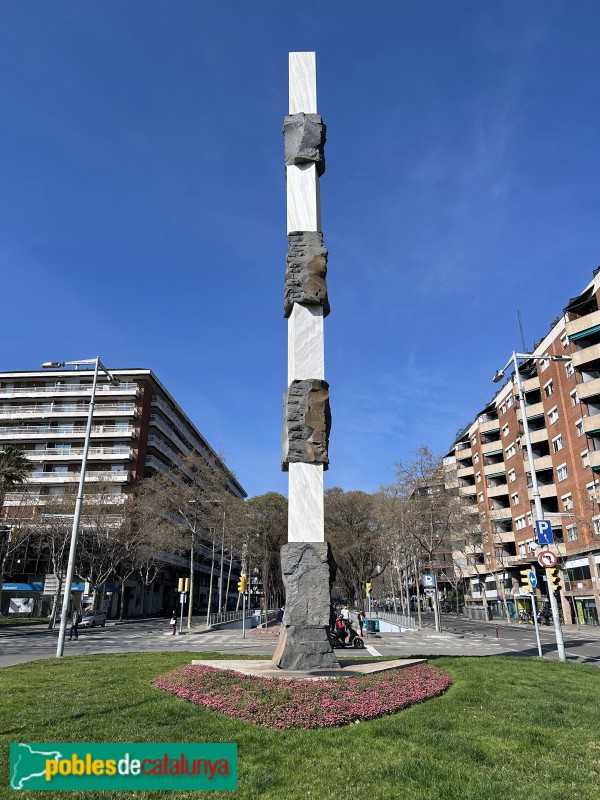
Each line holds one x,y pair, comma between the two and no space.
138,429
494,474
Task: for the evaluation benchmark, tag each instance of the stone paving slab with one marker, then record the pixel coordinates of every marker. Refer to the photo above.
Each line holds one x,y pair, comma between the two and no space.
348,669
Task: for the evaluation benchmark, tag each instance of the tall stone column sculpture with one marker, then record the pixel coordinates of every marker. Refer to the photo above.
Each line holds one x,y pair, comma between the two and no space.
307,565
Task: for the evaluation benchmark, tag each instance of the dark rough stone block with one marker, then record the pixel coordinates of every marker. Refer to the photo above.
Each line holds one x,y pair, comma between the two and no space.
307,422
304,140
308,571
306,270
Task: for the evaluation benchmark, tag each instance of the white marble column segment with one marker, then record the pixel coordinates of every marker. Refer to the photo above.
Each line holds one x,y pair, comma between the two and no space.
303,83
303,198
306,350
306,503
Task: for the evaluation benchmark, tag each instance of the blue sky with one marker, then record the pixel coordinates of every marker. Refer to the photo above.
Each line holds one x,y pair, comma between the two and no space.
142,204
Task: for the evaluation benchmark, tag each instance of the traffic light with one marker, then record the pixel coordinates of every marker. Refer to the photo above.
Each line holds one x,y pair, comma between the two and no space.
184,585
242,583
553,579
526,580
369,587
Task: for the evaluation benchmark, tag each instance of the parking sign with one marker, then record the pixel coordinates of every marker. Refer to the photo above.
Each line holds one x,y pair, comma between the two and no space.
544,531
429,580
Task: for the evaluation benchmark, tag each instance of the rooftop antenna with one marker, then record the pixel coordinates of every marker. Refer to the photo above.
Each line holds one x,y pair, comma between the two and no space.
521,329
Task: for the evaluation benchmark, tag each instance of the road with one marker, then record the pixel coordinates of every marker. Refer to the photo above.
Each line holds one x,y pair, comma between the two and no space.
460,637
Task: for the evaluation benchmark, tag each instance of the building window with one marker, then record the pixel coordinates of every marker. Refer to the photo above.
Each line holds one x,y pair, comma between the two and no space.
478,477
505,430
562,472
572,533
510,401
480,497
592,490
596,523
476,458
579,427
510,451
564,340
553,415
529,518
503,408
522,549
585,457
557,443
520,523
531,545
515,498
474,440
567,500
512,477
549,388
574,398
544,363
569,369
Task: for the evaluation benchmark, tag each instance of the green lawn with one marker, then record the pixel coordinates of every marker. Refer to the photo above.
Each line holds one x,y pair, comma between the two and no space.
508,728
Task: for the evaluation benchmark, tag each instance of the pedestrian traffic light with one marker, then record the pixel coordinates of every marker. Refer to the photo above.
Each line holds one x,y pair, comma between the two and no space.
242,583
553,579
369,586
526,580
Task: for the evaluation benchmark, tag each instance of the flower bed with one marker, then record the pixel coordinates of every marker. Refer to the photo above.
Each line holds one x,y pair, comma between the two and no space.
277,703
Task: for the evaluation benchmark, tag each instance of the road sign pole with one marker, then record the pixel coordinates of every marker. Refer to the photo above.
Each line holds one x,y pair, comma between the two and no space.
539,512
244,615
537,628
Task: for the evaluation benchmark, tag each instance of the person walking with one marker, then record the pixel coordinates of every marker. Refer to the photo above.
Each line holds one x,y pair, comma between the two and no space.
75,620
361,620
280,614
173,623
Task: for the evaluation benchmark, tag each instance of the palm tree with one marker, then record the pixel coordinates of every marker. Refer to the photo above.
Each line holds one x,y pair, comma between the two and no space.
14,469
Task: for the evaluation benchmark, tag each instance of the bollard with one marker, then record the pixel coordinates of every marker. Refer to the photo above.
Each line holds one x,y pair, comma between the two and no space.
496,631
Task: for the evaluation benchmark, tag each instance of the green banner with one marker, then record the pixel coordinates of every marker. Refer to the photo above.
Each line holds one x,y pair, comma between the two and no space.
123,765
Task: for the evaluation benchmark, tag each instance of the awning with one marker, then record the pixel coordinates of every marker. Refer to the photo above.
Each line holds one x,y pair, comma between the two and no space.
496,474
584,334
493,453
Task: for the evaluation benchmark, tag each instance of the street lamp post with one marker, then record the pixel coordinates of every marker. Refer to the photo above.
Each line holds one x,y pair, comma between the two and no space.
79,502
539,512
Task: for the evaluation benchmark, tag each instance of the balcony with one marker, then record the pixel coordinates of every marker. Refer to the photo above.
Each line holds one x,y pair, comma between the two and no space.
500,513
491,447
30,499
57,478
585,323
533,410
163,447
543,462
594,458
70,390
494,469
463,472
586,356
25,432
162,426
497,491
536,436
58,412
588,389
545,490
467,490
503,536
591,424
183,429
490,425
76,454
463,453
531,384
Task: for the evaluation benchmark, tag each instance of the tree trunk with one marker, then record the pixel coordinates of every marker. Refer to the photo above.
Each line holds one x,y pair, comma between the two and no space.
417,593
55,601
210,586
122,609
504,600
226,604
192,565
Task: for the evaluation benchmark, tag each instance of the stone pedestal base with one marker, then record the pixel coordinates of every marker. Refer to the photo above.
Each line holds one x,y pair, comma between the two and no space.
308,571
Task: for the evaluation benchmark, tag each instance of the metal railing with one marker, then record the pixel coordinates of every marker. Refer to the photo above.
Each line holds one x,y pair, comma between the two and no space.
69,388
227,616
130,409
396,619
56,431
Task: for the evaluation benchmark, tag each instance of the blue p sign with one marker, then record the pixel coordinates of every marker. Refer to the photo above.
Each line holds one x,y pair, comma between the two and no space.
544,531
